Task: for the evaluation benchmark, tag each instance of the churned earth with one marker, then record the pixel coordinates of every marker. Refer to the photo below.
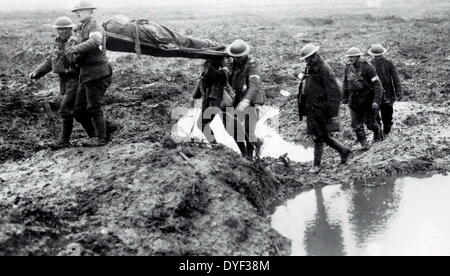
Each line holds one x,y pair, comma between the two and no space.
145,195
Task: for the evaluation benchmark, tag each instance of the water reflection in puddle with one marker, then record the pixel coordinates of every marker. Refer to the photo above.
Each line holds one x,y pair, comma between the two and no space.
274,145
409,216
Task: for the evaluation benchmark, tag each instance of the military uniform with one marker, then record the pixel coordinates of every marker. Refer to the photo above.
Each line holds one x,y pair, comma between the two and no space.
245,79
362,88
68,80
322,97
95,77
392,89
211,89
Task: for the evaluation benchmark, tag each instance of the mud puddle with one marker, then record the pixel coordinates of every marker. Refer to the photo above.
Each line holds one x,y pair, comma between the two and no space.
274,144
404,216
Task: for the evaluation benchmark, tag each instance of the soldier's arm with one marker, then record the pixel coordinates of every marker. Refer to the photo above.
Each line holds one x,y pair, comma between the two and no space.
95,41
396,80
333,91
375,83
254,81
44,68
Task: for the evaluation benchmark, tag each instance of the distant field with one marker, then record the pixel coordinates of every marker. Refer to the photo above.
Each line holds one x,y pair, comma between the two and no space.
413,30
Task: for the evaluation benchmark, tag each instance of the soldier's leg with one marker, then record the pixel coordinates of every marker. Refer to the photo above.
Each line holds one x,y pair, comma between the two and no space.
253,143
318,153
387,112
67,114
343,151
358,127
80,111
236,126
370,119
204,125
95,90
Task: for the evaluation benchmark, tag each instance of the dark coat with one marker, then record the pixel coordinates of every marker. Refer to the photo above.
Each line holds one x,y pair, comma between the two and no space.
58,63
211,86
91,51
387,72
321,96
245,79
362,86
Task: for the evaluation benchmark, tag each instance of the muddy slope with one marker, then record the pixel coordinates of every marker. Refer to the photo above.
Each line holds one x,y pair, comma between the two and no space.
138,199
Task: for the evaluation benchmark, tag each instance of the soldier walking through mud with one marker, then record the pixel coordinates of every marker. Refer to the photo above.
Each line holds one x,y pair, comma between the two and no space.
363,94
245,79
319,100
95,74
387,72
211,89
68,77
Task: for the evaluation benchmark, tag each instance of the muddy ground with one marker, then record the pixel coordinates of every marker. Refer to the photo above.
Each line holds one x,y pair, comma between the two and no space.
139,195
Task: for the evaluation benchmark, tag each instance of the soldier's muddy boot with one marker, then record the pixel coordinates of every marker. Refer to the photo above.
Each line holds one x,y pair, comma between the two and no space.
254,149
250,151
345,156
88,126
318,153
242,148
378,136
100,131
344,151
365,146
94,143
258,147
111,128
66,133
387,131
362,139
60,144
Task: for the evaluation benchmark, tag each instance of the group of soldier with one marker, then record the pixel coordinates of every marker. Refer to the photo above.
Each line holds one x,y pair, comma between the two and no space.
79,58
231,88
370,89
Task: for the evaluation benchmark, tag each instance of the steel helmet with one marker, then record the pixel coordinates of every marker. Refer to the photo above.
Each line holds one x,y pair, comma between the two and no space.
238,48
377,50
354,52
83,5
63,22
308,50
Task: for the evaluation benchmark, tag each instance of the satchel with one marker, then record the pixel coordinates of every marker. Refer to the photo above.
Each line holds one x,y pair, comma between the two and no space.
227,100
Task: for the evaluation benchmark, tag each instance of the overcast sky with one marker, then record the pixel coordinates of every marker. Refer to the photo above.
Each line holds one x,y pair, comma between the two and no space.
58,4
66,4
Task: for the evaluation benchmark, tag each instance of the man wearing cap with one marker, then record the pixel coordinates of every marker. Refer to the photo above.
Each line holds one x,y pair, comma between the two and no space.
363,94
95,72
390,80
245,79
68,75
319,100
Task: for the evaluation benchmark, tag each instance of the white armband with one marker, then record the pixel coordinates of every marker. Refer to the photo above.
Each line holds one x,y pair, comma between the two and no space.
374,79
